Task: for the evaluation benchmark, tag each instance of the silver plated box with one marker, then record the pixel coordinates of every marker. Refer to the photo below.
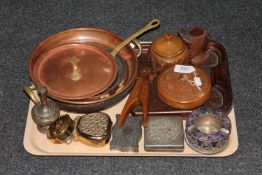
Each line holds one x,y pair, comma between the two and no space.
164,133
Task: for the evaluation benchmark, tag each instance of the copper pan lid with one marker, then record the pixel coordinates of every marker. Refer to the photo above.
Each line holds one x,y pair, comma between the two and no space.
75,71
180,91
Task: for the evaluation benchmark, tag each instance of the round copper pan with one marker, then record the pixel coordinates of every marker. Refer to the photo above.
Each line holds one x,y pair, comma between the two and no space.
99,38
78,71
75,71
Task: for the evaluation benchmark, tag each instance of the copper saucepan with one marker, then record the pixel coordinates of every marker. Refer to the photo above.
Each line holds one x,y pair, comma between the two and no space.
91,37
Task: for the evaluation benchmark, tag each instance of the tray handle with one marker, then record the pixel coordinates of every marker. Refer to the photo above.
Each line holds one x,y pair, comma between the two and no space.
29,91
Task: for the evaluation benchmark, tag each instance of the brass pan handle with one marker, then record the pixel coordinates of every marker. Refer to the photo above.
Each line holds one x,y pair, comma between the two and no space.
152,24
138,45
29,91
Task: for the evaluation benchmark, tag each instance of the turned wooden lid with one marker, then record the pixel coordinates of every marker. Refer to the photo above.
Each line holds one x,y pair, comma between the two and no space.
179,90
168,45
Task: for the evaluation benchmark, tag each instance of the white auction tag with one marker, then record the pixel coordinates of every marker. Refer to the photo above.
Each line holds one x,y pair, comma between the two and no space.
197,81
184,69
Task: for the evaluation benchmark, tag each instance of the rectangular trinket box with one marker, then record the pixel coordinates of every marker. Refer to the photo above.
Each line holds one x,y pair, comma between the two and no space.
164,133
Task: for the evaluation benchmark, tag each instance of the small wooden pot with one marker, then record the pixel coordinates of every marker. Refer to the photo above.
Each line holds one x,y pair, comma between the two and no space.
168,50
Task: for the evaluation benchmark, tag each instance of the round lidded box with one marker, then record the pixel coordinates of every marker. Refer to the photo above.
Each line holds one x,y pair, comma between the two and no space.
184,90
207,131
167,50
61,131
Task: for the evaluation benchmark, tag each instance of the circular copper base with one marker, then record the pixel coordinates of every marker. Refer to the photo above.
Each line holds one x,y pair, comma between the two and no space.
75,71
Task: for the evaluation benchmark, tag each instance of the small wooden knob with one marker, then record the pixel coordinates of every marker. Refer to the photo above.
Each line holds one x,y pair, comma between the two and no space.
168,37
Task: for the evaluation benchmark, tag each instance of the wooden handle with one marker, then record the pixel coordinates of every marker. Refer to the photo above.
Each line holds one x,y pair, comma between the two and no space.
144,99
132,101
139,95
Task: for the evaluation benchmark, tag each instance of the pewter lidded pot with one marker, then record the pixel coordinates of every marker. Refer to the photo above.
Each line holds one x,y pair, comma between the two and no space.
45,112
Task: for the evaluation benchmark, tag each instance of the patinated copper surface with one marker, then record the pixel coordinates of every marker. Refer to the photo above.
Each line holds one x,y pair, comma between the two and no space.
168,50
75,71
79,71
99,38
176,90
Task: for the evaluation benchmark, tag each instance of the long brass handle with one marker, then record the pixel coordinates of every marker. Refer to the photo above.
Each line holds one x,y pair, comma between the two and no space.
152,24
138,45
29,91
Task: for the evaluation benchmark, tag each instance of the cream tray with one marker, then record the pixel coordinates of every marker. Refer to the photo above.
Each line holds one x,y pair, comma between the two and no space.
37,144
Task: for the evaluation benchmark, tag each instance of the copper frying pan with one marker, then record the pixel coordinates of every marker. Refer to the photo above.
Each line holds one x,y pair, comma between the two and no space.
80,70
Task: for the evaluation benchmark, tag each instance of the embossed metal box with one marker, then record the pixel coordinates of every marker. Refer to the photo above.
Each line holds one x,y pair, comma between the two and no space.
164,133
127,137
94,129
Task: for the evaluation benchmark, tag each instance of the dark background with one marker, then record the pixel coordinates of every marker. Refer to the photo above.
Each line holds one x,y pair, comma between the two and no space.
235,24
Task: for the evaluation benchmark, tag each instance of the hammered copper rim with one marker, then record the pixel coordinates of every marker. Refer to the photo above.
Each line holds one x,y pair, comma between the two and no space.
93,71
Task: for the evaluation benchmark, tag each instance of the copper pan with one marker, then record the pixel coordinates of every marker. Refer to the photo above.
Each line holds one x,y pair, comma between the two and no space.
79,71
98,38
